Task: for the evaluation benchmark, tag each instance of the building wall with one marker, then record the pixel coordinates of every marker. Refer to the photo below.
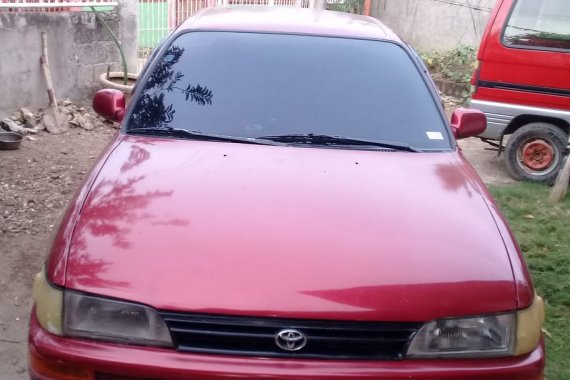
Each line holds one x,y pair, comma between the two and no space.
435,24
79,50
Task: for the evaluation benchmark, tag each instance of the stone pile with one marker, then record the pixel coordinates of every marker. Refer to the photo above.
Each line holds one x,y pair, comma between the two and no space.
70,115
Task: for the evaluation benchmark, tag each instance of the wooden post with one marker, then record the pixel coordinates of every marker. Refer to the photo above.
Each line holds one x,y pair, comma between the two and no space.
45,67
47,76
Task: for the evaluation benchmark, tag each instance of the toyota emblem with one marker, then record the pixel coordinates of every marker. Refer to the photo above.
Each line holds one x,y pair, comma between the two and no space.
290,340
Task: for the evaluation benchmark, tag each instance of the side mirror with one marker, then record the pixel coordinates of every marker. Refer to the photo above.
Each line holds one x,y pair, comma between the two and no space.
466,122
110,104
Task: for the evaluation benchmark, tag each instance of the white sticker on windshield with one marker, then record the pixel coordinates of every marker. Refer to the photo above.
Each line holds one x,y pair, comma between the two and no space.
434,135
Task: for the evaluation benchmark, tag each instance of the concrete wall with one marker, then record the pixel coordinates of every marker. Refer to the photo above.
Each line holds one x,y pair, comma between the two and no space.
435,24
79,50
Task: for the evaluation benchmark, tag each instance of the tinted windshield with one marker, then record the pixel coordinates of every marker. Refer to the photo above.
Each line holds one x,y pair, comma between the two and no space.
252,85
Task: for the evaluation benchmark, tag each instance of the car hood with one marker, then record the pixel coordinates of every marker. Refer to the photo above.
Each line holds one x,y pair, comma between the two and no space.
292,232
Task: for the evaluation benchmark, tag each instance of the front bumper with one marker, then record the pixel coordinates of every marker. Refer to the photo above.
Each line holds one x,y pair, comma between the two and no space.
111,361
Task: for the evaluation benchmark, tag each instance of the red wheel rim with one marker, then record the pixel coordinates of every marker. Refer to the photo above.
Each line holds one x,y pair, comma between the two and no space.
537,155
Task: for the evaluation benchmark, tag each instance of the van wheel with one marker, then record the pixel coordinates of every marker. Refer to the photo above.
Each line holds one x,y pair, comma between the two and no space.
535,152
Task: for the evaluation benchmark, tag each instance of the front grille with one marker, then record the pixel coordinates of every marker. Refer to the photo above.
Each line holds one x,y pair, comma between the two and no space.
228,335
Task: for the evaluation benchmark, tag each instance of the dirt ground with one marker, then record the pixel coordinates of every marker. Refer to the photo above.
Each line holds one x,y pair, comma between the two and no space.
484,158
37,181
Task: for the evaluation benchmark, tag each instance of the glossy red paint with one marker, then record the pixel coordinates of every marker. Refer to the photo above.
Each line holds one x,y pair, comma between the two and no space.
523,280
110,104
154,363
290,20
222,211
60,244
467,122
520,66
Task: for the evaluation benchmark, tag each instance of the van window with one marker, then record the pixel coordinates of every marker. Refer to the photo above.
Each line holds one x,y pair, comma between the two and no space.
543,24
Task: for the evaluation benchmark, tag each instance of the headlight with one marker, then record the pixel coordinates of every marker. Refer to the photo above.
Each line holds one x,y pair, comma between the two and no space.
117,321
483,336
508,334
529,326
49,303
77,315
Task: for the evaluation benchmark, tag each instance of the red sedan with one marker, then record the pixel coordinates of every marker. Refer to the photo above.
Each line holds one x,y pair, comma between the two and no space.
285,200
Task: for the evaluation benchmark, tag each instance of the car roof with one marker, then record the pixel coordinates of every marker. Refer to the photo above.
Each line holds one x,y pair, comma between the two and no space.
289,20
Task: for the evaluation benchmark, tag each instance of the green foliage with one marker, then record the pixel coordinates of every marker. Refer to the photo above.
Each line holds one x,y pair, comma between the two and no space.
349,6
456,64
543,232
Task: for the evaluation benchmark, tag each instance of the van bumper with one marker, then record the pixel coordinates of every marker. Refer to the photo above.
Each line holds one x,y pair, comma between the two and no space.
500,115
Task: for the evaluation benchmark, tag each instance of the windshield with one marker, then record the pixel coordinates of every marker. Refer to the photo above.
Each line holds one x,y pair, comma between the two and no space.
252,85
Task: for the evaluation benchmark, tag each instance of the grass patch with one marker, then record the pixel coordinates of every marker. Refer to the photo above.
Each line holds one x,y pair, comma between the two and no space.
543,232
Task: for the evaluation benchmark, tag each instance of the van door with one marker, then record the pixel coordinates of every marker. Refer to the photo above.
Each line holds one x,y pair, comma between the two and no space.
527,58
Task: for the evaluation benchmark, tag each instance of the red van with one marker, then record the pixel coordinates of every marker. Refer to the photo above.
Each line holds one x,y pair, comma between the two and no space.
522,84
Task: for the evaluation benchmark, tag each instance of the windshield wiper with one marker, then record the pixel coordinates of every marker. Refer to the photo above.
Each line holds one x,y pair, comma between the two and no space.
326,140
194,135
